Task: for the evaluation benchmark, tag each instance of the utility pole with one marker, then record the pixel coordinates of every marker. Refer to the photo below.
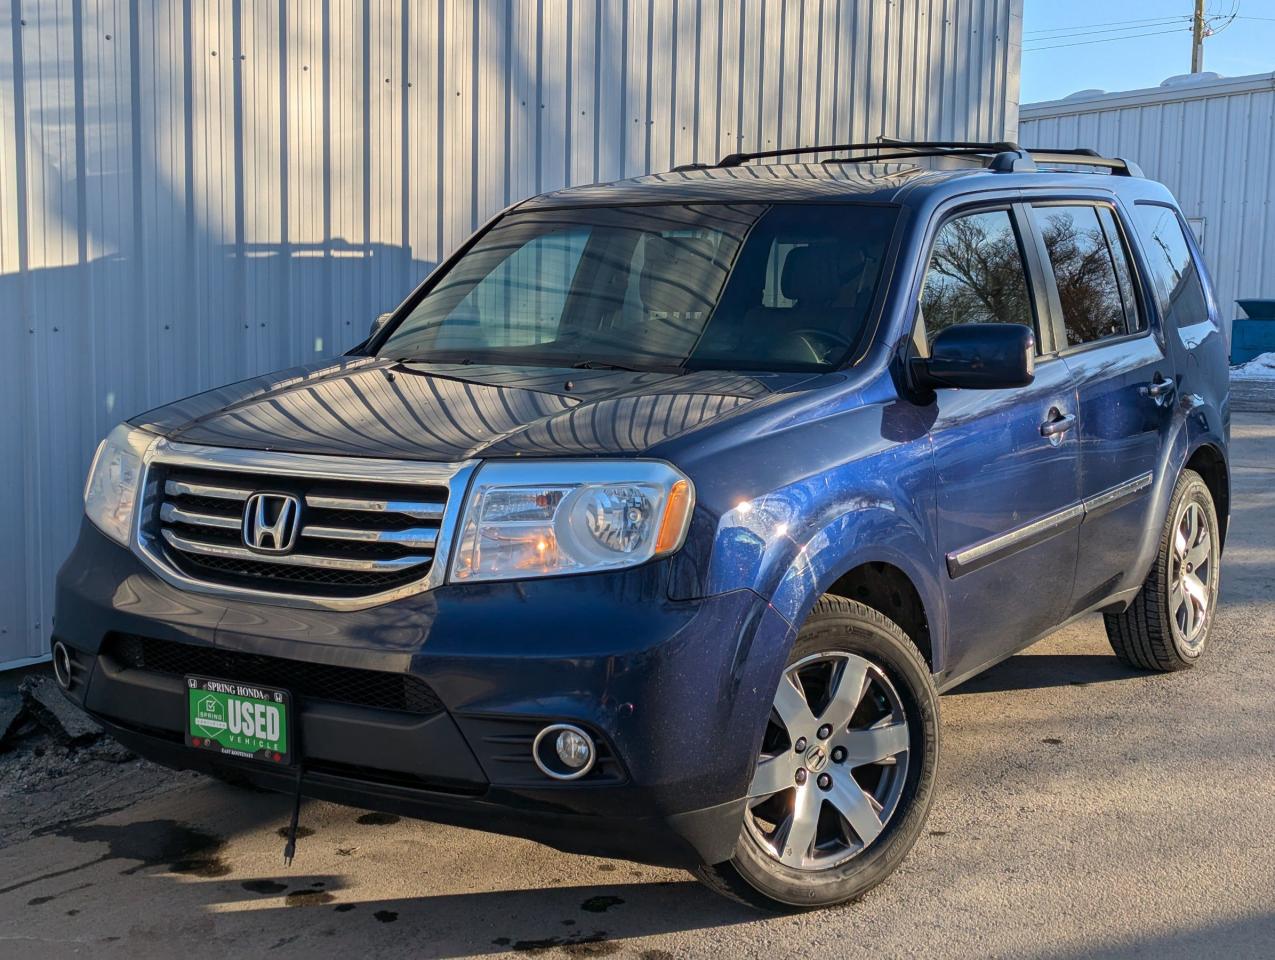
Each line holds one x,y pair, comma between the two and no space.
1197,38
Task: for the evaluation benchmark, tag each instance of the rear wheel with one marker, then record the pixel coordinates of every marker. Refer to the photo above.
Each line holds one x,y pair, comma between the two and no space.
1167,625
847,768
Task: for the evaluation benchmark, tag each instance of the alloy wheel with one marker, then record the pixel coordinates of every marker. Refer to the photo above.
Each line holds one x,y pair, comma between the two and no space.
833,765
1190,592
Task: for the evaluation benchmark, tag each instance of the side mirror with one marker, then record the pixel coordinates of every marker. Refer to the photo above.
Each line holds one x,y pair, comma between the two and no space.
378,323
978,356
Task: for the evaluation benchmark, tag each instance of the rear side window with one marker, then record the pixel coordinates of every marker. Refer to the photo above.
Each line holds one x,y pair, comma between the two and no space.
1093,293
1124,269
1177,282
976,274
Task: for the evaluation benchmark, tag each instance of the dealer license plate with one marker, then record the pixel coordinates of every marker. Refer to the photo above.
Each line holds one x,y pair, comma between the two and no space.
237,719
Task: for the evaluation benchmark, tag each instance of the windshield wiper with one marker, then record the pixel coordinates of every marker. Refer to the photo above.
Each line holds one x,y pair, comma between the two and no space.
602,365
591,364
404,363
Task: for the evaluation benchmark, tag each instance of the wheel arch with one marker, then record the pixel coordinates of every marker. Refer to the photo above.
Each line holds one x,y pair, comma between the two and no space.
1208,460
891,592
890,574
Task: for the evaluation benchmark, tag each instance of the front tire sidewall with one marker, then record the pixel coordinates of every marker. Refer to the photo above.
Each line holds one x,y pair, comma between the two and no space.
842,627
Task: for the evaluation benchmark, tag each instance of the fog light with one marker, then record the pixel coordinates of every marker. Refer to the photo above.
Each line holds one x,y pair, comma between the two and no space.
573,749
62,665
564,751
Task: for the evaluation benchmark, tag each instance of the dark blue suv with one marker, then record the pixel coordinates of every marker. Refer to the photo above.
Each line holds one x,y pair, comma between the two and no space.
652,524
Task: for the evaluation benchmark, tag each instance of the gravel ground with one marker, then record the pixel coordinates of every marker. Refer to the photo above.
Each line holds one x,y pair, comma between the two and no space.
43,781
1085,811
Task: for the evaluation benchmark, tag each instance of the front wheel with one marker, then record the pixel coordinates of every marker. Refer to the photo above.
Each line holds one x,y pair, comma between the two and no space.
847,768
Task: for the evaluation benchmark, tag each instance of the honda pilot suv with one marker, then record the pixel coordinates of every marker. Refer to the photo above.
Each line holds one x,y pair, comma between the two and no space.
652,524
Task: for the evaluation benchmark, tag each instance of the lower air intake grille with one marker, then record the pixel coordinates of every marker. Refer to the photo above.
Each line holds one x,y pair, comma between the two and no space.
308,681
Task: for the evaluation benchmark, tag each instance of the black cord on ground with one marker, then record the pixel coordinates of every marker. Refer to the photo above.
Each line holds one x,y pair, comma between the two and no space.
290,848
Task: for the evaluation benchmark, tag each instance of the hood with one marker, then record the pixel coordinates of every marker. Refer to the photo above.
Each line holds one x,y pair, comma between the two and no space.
369,407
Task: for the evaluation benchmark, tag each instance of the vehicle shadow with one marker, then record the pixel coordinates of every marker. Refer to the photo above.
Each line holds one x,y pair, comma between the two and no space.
1037,671
421,890
581,920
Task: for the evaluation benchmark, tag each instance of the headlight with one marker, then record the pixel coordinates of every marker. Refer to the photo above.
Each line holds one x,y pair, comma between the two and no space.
544,519
110,493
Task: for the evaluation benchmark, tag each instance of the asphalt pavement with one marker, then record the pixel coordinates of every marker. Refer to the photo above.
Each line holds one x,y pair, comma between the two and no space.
1085,810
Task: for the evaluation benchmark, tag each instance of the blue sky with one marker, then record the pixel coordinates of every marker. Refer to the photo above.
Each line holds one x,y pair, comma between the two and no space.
1141,47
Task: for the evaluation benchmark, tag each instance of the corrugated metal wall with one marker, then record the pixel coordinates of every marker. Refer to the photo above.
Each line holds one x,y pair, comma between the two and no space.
1211,143
194,192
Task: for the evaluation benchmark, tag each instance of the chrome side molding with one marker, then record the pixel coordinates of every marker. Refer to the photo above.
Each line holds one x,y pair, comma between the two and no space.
989,551
1035,531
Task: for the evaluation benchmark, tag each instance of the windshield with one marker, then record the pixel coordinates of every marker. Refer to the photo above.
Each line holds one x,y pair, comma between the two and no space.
692,286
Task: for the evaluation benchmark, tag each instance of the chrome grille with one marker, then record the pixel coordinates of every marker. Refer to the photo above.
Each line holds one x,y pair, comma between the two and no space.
356,538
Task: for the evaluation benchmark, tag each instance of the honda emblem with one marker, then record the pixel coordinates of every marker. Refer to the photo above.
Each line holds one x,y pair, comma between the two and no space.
271,522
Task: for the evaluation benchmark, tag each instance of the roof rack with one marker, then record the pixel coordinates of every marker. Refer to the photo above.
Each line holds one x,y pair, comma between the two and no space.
1002,156
1084,156
918,148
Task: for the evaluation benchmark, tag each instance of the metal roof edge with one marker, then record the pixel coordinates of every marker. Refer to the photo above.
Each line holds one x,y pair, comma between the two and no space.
1221,87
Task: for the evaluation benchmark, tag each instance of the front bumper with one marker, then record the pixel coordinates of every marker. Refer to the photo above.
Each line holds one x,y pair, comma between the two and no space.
676,692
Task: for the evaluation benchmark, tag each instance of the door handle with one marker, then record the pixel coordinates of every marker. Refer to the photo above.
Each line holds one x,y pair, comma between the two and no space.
1057,424
1158,388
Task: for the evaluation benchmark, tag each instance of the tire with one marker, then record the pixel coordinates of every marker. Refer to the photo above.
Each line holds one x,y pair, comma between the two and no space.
841,641
1167,625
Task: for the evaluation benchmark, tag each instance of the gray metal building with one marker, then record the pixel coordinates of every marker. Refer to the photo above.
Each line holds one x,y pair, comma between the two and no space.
1211,140
194,192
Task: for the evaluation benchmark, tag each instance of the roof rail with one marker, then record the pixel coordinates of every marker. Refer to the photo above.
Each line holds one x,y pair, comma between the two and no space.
917,147
1001,157
1084,156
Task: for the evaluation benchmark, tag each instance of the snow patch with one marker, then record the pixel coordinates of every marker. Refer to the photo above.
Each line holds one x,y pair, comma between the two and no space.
1261,367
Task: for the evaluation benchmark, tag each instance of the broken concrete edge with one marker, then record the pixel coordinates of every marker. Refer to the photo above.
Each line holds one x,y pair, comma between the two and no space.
64,721
41,703
13,716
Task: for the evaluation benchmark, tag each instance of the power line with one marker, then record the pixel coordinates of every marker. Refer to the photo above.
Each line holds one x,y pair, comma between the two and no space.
1211,30
1214,18
1091,33
1108,23
1081,43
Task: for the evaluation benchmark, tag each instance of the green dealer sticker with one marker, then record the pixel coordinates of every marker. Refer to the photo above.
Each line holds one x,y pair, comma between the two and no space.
239,719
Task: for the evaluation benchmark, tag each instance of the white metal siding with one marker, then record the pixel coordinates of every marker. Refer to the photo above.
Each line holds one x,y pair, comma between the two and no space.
1210,143
194,192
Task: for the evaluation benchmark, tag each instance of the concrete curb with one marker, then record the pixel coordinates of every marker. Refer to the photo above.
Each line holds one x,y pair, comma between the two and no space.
1255,396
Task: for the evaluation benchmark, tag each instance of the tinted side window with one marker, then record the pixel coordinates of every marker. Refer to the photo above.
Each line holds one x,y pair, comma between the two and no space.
976,274
1134,319
1177,283
1087,284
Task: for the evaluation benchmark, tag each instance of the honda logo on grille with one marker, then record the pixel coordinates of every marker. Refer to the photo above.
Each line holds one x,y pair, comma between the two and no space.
271,522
